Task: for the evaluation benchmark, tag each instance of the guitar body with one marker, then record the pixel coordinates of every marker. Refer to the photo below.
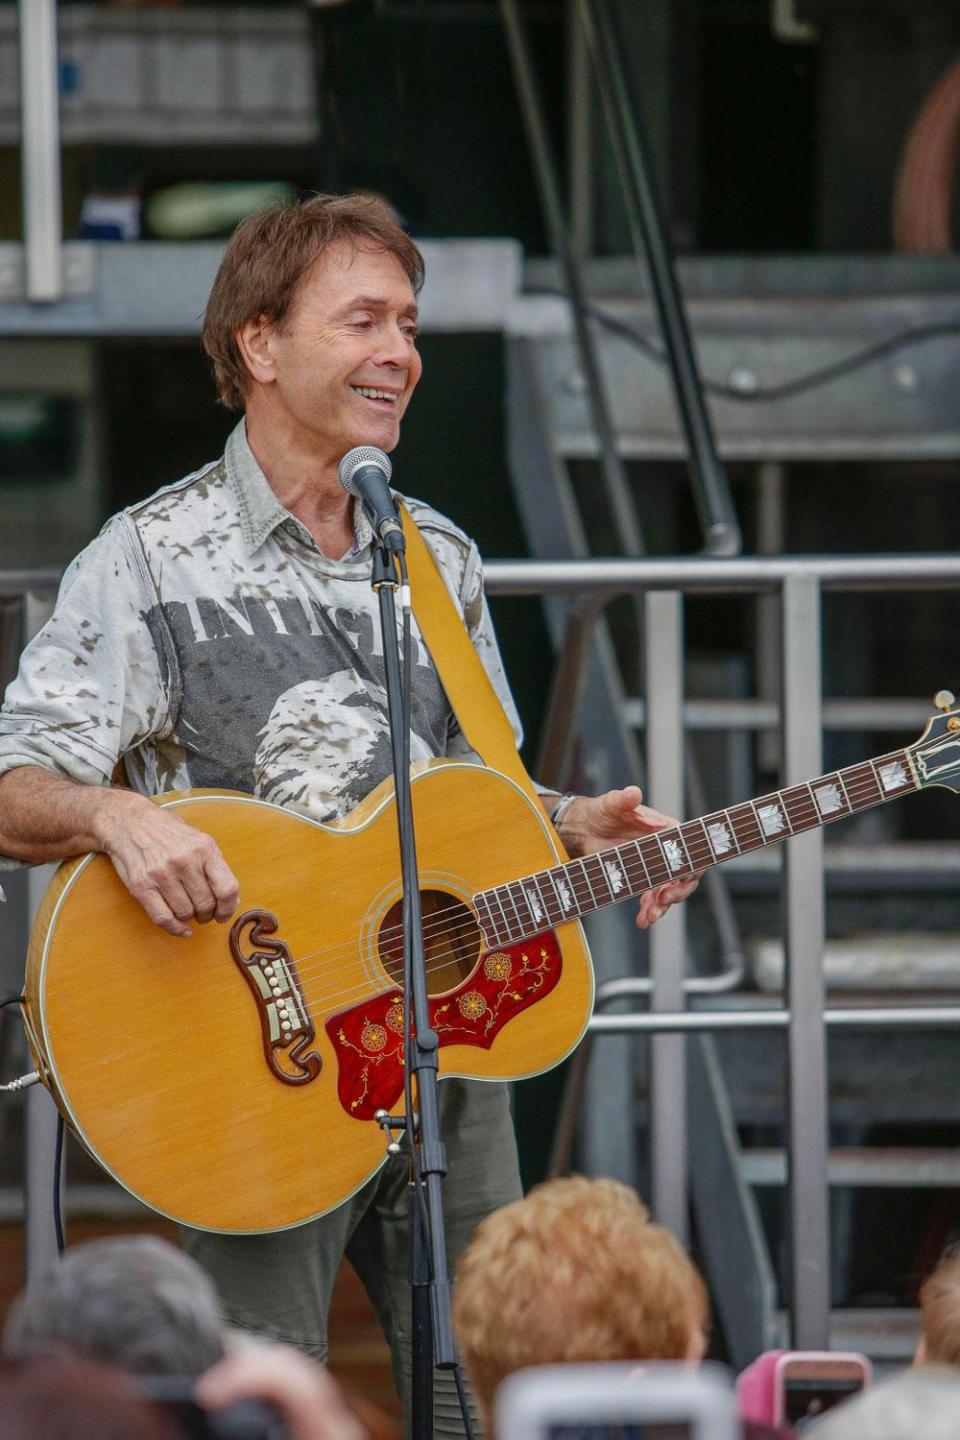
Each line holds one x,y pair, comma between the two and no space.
230,1080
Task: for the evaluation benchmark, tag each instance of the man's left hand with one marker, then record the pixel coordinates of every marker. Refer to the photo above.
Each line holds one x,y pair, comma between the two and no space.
595,822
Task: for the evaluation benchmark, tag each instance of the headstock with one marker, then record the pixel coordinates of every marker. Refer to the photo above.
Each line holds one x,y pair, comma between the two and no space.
936,755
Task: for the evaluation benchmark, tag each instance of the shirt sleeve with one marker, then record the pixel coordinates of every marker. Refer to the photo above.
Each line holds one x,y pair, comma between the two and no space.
95,681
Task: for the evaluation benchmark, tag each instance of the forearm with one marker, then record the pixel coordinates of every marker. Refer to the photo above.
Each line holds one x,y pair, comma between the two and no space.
44,817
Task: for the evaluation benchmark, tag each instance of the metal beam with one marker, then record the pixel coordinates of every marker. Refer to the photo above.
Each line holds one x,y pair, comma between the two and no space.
40,150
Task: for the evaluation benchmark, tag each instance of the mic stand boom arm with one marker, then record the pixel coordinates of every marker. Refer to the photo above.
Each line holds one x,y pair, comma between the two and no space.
429,1278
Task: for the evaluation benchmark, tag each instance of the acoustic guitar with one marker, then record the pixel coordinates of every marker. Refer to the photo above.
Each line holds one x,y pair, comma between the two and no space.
231,1080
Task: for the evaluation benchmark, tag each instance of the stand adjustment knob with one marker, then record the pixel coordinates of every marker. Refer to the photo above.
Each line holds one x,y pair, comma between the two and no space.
388,1124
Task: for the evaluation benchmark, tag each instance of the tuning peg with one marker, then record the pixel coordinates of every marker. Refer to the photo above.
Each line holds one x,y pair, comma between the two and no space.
944,700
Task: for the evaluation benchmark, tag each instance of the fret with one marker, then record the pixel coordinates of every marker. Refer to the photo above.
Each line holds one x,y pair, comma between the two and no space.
713,856
615,873
829,796
638,851
893,774
747,815
769,818
550,898
696,830
653,858
527,916
871,775
507,926
549,892
515,925
581,886
586,875
673,850
721,834
534,901
799,808
565,896
843,787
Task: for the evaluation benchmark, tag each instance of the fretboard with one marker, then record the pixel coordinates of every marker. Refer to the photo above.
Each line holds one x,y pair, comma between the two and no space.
536,903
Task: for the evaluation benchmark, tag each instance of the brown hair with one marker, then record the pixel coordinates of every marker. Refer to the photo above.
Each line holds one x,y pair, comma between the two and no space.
268,256
574,1272
940,1310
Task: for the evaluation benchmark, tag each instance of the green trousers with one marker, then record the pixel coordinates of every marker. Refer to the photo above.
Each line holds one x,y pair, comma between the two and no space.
280,1284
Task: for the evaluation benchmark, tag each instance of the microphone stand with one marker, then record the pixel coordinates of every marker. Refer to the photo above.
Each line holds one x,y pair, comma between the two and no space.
432,1326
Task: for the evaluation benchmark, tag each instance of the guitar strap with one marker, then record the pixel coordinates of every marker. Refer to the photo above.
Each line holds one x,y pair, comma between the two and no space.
468,686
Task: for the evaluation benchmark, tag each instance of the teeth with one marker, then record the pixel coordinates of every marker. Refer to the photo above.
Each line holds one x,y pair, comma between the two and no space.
374,394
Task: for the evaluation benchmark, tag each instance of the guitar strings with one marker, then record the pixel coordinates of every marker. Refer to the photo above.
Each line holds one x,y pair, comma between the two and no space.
865,792
370,990
705,855
699,850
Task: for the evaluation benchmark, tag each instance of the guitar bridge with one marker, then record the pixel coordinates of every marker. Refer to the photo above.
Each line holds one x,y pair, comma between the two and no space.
285,1025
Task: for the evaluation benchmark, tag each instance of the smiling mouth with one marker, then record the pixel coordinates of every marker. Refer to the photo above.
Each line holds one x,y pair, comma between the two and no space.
384,399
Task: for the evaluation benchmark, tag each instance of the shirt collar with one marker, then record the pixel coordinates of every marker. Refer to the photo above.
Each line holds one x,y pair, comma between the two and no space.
260,510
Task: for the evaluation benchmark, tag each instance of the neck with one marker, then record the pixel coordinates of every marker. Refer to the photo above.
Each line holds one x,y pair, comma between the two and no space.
306,483
513,912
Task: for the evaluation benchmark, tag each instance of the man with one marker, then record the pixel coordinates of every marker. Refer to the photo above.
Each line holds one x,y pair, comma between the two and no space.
223,633
575,1272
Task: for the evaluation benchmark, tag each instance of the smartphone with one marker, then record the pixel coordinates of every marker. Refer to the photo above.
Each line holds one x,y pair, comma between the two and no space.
808,1383
618,1401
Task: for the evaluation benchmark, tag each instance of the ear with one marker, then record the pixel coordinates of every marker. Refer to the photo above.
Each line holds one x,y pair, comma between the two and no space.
254,343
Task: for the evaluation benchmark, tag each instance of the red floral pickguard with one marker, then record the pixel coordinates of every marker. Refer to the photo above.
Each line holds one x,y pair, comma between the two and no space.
368,1038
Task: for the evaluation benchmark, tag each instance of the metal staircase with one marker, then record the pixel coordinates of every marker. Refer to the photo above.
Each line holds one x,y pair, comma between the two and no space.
805,360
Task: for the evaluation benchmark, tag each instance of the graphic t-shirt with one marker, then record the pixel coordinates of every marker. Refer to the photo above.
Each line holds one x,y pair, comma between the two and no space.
205,640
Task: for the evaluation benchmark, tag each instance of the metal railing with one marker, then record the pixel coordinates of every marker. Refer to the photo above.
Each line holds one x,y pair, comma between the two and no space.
799,581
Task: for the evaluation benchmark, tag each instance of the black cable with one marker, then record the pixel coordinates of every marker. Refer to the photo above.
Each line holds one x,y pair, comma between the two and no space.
406,689
57,1168
12,1000
826,375
464,1402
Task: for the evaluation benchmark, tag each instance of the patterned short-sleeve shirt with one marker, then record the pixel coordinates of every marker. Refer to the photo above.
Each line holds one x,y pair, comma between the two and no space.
205,640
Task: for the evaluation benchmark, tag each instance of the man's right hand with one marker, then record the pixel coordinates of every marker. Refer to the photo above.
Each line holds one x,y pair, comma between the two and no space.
175,870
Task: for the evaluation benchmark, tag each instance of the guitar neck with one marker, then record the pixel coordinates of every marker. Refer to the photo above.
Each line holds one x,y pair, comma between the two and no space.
539,902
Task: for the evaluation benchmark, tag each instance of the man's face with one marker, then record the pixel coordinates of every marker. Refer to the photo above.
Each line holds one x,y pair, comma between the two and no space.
345,356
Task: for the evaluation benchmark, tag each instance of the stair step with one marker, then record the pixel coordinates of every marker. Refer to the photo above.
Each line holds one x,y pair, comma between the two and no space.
912,1167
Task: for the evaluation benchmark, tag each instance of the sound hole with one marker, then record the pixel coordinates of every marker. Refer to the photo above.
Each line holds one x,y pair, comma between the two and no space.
451,938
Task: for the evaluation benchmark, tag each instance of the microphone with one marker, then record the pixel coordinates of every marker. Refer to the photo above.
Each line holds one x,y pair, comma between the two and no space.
364,471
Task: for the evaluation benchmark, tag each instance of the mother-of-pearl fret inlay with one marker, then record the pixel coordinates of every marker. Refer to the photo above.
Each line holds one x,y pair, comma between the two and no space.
563,890
771,819
533,900
828,799
673,854
614,875
720,838
893,776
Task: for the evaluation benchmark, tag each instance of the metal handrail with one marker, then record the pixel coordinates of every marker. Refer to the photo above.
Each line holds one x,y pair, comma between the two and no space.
711,488
40,150
612,467
694,574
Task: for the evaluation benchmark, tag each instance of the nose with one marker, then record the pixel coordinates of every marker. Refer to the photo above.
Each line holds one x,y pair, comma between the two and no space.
395,347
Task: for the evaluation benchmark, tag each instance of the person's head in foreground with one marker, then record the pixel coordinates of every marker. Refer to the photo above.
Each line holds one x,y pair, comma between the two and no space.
576,1271
921,1404
940,1313
132,1301
68,1398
